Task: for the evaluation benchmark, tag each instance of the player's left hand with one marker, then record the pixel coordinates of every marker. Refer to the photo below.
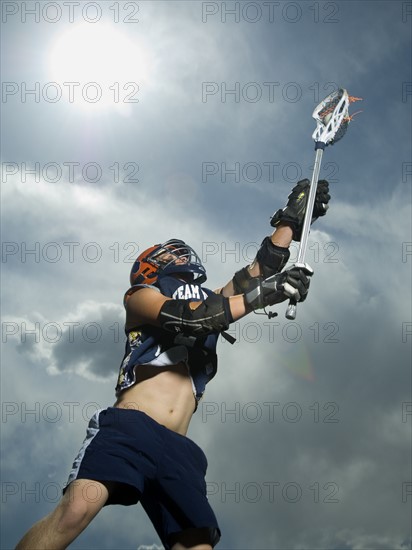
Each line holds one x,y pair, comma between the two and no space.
294,212
292,283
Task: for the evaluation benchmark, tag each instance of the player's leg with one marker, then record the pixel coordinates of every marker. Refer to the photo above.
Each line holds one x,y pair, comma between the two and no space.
176,499
81,502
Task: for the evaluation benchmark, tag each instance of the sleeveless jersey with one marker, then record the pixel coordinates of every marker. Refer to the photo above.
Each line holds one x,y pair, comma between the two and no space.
149,345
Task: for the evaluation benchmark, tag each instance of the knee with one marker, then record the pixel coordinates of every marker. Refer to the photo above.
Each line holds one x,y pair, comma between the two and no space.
79,506
72,516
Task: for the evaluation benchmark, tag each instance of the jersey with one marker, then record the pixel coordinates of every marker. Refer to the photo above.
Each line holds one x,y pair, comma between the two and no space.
150,345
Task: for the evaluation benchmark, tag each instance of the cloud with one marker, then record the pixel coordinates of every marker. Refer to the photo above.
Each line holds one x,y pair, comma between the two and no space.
295,392
87,342
301,414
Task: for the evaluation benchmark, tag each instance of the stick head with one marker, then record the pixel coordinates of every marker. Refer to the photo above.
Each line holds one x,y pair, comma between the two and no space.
332,117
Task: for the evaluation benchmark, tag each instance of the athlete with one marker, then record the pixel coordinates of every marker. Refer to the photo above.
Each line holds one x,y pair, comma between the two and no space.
137,450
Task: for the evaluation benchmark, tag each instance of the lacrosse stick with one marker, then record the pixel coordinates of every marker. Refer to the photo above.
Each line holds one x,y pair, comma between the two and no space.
332,120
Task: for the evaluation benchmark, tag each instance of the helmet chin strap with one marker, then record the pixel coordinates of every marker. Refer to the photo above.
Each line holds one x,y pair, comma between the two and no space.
185,277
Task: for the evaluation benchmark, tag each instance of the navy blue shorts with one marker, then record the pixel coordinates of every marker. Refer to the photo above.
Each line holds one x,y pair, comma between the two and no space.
149,463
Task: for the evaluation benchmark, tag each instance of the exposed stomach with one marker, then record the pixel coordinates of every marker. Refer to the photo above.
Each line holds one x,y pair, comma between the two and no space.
163,393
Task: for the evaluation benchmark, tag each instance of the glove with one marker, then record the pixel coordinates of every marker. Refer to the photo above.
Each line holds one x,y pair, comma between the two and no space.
294,212
292,283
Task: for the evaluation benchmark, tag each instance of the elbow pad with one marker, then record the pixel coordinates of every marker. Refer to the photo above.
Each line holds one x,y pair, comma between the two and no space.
271,259
241,280
212,315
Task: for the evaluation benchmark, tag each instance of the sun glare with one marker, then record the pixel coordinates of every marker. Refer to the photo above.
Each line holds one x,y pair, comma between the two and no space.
104,68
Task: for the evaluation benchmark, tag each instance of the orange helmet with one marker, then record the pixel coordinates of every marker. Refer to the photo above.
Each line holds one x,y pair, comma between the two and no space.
173,256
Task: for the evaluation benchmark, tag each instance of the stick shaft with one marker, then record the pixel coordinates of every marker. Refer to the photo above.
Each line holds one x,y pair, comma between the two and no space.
291,309
309,207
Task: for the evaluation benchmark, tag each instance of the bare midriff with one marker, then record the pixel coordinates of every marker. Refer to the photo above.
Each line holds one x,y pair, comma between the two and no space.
163,393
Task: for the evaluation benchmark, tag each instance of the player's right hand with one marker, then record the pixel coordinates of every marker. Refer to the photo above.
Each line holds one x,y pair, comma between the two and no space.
295,282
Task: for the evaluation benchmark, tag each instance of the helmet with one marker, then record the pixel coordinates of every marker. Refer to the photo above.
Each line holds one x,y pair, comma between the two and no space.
173,256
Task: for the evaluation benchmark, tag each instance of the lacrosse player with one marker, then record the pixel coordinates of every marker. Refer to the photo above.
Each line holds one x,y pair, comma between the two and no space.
137,450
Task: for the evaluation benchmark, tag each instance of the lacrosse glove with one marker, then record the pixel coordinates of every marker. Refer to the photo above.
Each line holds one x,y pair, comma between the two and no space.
294,212
292,283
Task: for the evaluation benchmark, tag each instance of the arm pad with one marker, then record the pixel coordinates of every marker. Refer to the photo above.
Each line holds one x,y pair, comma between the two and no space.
271,258
241,280
212,315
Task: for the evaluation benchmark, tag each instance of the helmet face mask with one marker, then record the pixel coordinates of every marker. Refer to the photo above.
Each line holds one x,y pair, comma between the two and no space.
174,257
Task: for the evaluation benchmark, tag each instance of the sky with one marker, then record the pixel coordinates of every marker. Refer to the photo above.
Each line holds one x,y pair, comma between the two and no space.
128,123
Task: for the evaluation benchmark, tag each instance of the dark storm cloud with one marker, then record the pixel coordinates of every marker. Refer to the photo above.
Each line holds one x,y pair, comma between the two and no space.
90,344
308,440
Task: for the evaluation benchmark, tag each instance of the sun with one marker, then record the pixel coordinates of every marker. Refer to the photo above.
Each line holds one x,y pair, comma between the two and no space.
102,67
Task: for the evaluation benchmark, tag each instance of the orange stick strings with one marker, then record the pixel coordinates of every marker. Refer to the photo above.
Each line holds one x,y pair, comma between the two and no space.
351,117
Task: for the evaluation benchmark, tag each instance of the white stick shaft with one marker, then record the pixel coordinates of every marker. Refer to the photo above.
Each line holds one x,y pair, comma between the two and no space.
291,310
309,207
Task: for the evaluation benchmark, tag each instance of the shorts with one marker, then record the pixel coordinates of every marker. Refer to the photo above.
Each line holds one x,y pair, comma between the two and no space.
149,463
